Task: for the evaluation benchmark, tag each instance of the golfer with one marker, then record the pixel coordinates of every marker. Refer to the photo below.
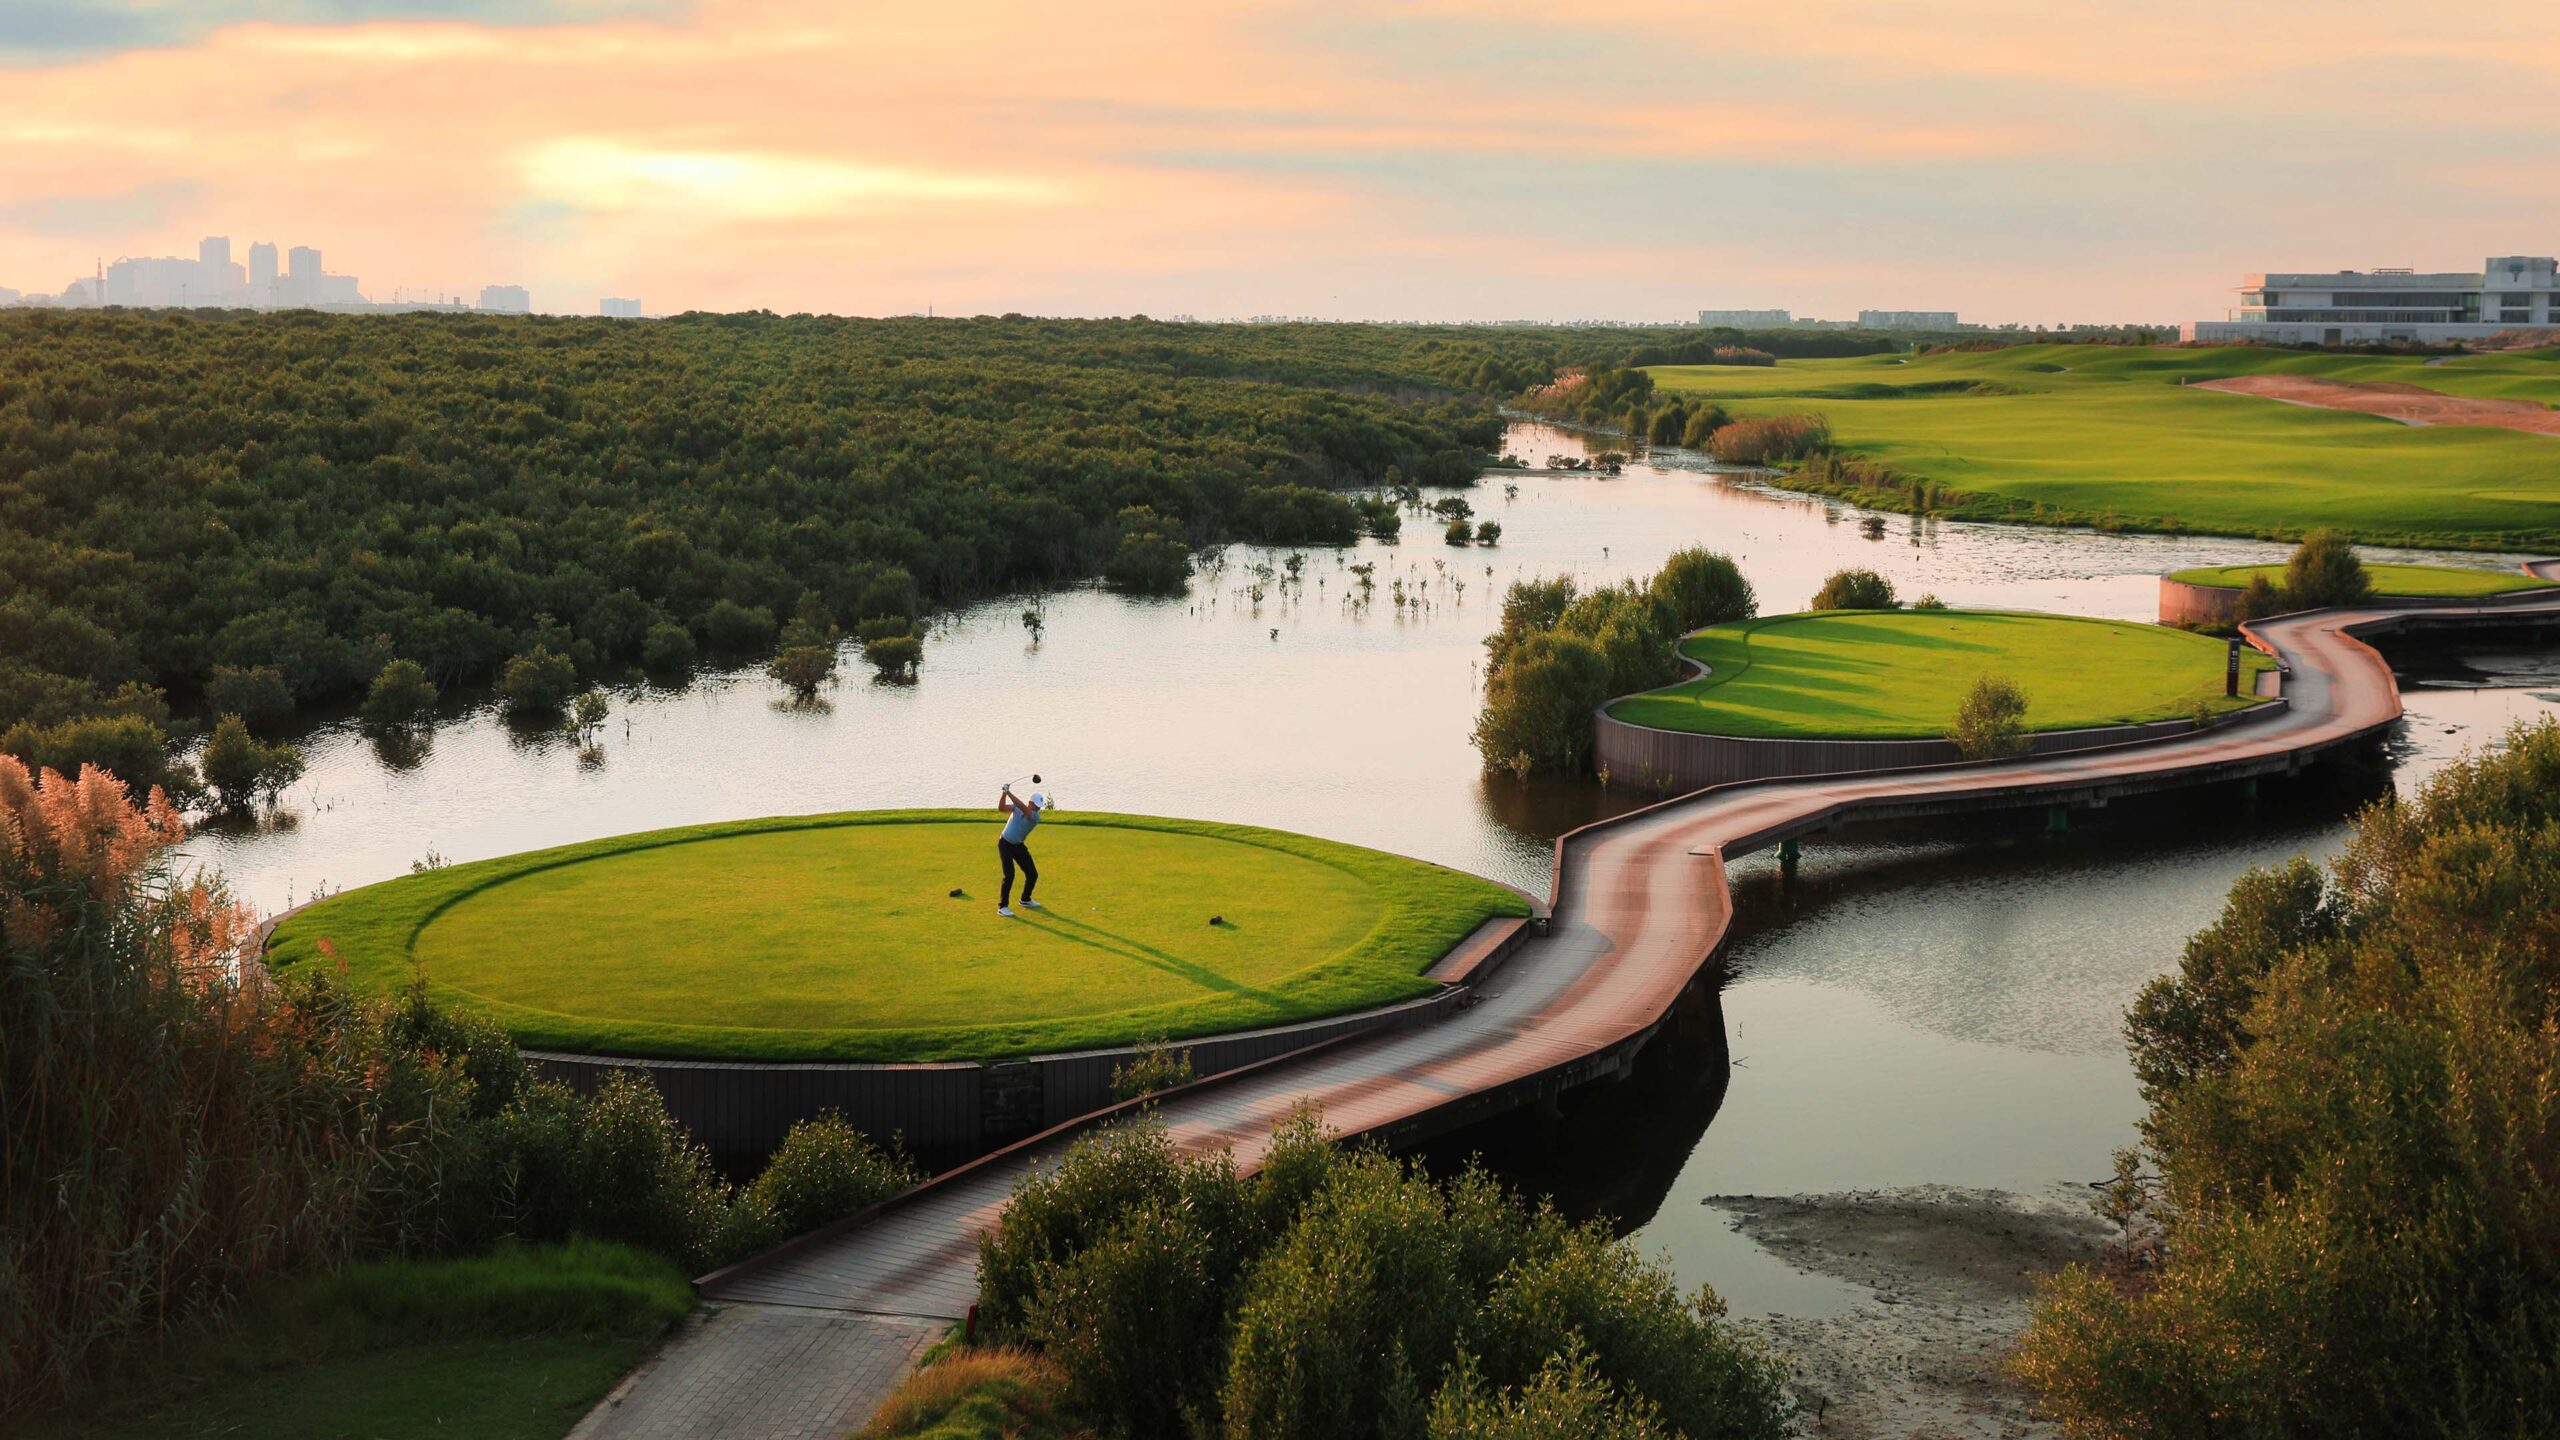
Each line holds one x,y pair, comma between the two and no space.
1022,817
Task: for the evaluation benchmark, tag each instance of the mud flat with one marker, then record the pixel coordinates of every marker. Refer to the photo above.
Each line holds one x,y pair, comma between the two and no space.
1951,1273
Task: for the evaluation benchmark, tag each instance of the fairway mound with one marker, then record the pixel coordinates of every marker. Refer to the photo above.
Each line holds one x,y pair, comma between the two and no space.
839,937
2394,400
1900,674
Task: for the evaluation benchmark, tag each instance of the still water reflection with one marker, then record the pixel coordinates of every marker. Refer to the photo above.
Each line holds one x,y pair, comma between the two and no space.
1921,1012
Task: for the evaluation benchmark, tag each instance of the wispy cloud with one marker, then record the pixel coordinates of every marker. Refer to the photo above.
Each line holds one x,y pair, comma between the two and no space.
42,31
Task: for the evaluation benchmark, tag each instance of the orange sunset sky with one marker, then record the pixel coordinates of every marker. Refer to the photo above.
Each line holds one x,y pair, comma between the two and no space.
2027,160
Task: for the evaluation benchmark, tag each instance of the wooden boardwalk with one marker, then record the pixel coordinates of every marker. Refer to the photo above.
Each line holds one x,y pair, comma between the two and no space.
1640,906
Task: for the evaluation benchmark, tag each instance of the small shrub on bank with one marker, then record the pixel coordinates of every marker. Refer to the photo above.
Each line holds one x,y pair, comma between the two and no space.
1135,1318
1770,439
896,653
243,772
400,697
1152,558
1991,722
2260,599
1568,1400
538,682
668,650
1360,1302
1697,431
733,630
1382,519
643,1180
1058,1212
824,1171
1855,590
1155,1067
2324,570
1537,708
1700,587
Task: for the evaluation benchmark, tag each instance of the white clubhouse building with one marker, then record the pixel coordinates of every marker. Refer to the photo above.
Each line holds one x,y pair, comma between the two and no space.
2357,307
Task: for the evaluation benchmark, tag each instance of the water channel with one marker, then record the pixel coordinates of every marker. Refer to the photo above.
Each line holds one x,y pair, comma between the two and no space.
1922,1006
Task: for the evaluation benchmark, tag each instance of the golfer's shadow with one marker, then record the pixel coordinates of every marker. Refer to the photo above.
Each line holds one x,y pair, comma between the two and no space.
1148,955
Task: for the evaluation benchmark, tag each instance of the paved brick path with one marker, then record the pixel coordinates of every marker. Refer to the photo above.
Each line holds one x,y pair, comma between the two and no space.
763,1372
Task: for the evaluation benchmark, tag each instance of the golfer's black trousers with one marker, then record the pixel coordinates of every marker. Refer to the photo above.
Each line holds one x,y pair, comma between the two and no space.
1012,853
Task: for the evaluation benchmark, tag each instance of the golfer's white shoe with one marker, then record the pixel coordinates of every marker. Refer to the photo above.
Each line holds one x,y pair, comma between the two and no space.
1030,904
1005,910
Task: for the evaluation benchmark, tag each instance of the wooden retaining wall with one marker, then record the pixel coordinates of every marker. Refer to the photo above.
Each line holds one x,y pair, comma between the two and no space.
943,1112
1676,761
2204,607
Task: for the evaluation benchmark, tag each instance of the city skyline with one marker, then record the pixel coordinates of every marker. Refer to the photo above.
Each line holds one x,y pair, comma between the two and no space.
1450,161
271,278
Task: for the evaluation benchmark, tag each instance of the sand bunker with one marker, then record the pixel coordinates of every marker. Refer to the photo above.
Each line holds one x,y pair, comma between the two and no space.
2392,400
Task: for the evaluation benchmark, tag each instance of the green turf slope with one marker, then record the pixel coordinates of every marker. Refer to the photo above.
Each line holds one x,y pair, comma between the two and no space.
2414,582
836,938
2108,434
1900,674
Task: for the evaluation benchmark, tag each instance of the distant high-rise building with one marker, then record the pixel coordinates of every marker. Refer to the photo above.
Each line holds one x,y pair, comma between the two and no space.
1907,319
219,282
616,308
505,299
301,276
1742,319
262,274
159,280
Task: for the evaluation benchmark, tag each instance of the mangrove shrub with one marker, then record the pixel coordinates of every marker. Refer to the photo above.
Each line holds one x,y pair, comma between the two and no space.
2353,1118
1855,589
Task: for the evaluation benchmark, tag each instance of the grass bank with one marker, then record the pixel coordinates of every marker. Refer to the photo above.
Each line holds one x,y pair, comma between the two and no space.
1900,674
2118,436
514,1345
2415,582
837,937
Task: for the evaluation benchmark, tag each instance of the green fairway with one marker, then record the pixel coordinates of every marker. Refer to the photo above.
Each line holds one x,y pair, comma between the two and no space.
2109,435
1898,674
515,1345
837,938
2403,581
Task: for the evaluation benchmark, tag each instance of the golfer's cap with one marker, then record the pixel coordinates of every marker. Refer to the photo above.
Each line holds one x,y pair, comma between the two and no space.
1040,800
